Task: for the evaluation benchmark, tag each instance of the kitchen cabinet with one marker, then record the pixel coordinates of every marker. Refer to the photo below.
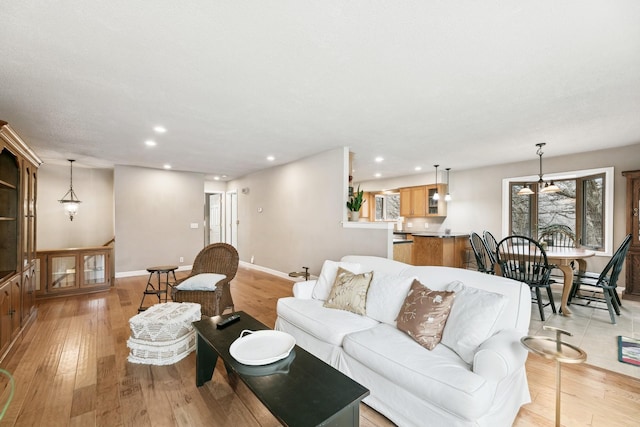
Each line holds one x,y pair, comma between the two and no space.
441,249
436,208
413,201
402,251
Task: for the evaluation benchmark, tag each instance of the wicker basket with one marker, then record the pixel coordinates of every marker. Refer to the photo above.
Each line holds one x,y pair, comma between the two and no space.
164,322
161,353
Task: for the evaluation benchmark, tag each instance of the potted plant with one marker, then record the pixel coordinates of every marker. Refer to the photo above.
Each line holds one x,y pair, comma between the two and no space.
354,204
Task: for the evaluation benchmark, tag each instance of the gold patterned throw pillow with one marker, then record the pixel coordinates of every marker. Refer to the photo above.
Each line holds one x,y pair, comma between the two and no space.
424,314
349,291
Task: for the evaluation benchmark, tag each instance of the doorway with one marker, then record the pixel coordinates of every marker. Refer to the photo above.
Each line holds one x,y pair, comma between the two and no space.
213,218
231,236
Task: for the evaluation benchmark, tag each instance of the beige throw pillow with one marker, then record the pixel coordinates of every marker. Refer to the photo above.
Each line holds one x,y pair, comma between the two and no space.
424,314
349,291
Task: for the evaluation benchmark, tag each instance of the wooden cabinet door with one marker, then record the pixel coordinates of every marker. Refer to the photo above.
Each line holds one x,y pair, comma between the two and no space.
632,264
413,201
16,308
405,202
5,316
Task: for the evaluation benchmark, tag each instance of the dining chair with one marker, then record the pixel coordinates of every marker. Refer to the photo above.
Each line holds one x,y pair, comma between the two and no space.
559,236
601,287
523,259
220,258
484,261
492,244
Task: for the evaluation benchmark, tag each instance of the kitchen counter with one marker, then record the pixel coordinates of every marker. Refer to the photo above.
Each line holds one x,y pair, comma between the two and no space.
441,235
398,241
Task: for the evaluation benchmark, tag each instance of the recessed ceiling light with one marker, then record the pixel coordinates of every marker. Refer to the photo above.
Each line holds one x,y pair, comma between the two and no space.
271,158
224,176
167,166
379,159
159,129
150,143
378,175
418,168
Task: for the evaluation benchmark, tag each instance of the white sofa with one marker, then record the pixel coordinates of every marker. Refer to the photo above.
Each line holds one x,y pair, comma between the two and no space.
409,384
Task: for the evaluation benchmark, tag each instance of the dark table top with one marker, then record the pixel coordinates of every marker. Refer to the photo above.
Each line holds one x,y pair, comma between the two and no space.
302,391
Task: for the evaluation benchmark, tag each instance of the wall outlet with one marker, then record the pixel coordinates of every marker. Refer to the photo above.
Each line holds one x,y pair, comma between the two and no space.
252,258
426,225
409,225
181,259
194,225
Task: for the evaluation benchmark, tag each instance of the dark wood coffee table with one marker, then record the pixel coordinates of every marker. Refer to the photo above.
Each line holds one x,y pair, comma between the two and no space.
300,390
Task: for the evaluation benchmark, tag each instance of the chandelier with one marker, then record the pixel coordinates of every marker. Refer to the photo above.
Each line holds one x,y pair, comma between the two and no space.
543,186
70,201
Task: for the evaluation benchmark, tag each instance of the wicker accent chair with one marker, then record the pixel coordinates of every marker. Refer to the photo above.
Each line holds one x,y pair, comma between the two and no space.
220,258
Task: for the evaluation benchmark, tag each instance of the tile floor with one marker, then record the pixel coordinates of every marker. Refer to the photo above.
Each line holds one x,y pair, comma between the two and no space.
593,331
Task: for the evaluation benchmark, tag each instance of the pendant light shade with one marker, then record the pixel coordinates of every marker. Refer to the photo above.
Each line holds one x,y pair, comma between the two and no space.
70,201
436,196
543,186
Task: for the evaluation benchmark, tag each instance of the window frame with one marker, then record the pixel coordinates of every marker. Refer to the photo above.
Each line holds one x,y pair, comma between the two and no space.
608,173
383,196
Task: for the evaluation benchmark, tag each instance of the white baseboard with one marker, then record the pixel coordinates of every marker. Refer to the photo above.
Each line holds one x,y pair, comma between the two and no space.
145,272
273,272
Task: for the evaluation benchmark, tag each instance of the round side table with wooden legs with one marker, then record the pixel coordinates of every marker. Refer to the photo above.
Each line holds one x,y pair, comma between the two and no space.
557,350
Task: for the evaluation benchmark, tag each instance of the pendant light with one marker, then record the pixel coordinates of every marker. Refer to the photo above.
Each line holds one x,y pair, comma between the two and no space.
70,200
447,197
543,186
436,196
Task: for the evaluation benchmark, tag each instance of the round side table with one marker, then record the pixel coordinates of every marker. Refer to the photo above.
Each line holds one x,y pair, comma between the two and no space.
555,349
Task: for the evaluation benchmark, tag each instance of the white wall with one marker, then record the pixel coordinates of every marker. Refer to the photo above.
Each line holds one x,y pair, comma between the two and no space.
153,212
92,226
302,209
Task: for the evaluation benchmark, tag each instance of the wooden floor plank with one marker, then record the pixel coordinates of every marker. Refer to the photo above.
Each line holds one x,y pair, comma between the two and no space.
71,368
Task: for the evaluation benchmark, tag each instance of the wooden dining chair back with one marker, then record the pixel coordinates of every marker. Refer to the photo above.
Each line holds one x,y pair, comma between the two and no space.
523,259
601,287
484,262
558,236
220,258
492,244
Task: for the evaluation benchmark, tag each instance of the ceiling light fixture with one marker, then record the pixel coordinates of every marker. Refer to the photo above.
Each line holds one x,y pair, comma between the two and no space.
417,168
543,186
447,197
167,166
70,200
379,159
160,129
271,158
150,143
436,196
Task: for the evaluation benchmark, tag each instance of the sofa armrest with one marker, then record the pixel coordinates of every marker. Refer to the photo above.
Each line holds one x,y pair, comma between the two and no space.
304,290
500,356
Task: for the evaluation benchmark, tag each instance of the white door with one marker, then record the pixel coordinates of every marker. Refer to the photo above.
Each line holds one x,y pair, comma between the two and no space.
231,236
213,218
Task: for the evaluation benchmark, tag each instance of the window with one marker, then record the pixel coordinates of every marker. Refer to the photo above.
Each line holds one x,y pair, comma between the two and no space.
387,207
582,205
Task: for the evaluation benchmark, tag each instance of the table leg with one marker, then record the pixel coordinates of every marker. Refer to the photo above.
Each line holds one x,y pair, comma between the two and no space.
567,271
206,360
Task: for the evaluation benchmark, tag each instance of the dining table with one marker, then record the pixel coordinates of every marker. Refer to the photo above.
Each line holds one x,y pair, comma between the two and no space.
562,258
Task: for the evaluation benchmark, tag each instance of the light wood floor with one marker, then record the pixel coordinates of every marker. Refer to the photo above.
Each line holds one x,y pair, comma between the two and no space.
71,369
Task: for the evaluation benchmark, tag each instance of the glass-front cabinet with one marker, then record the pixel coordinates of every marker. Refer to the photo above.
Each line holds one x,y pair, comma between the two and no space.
74,270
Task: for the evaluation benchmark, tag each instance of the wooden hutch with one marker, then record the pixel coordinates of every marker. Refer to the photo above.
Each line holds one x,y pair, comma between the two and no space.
18,185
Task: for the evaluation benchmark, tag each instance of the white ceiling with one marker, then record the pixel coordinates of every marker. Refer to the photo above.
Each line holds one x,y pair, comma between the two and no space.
459,83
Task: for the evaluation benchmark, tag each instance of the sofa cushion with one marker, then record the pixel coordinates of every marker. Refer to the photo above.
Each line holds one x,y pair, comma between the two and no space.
424,314
328,275
438,376
473,319
386,295
349,291
326,324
